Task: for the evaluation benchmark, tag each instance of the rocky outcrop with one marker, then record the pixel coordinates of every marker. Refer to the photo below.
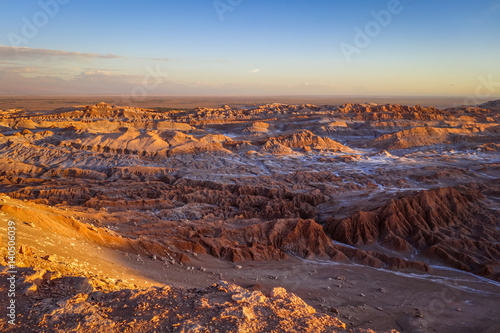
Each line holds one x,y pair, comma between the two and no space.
491,105
417,137
276,148
273,240
67,304
381,112
258,127
304,139
445,225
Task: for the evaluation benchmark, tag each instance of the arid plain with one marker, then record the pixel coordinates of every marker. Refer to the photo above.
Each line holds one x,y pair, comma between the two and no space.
192,216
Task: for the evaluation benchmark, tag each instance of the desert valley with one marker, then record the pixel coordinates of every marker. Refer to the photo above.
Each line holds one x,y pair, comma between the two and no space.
354,217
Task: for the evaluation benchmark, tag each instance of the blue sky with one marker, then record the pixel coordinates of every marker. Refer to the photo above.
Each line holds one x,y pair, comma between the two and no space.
429,47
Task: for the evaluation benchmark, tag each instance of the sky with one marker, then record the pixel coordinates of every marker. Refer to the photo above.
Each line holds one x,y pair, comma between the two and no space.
250,47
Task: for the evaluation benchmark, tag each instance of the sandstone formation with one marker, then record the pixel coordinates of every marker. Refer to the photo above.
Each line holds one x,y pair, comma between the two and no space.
454,227
417,137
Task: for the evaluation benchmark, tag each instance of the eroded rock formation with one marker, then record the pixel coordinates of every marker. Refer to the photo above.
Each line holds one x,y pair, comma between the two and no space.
448,225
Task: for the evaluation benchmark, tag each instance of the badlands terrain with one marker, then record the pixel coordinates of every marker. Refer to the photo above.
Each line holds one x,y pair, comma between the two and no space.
255,218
